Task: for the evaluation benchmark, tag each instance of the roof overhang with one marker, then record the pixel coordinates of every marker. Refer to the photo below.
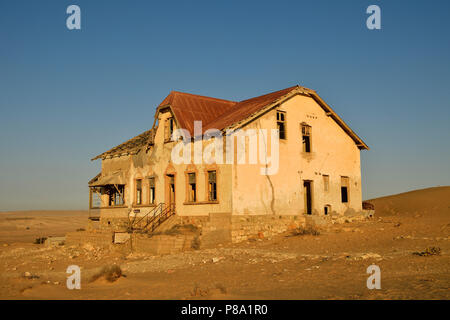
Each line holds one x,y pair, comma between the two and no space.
110,179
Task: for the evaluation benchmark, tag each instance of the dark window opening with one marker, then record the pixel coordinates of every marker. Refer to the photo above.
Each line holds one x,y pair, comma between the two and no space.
192,197
344,194
306,138
212,186
168,128
308,196
116,195
344,189
281,124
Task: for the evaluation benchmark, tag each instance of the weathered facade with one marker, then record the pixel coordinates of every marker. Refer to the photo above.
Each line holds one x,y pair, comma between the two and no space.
318,174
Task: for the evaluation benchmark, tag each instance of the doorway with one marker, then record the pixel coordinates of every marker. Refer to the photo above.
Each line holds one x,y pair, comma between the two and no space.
307,192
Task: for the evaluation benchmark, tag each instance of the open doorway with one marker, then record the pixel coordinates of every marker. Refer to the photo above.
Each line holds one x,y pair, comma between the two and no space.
307,192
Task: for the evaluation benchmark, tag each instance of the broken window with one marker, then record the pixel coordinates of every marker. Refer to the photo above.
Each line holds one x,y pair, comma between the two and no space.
192,190
326,183
306,138
116,195
281,124
212,186
344,189
151,184
96,198
168,128
138,191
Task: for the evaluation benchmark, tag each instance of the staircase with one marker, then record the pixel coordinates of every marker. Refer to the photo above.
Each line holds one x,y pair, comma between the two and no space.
150,221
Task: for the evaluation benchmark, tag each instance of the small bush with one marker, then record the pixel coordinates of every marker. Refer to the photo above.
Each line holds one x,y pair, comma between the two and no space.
303,231
430,251
221,288
195,244
110,273
40,240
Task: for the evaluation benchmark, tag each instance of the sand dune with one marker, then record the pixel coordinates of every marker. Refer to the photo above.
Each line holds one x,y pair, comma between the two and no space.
431,201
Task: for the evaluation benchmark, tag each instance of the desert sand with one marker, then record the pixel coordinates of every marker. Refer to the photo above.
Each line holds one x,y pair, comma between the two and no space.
331,265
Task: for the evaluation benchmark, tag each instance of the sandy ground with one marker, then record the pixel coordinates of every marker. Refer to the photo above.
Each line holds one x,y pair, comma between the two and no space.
331,265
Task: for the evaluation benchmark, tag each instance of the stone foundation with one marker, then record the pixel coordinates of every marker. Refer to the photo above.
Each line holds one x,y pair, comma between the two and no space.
141,243
216,228
262,226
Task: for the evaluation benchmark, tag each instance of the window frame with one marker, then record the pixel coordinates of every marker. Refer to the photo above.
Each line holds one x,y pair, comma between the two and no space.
112,197
281,121
151,200
208,183
326,182
169,128
345,185
141,202
306,131
191,198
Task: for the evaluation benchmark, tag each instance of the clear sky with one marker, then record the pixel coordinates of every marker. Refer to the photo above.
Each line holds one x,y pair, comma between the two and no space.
66,96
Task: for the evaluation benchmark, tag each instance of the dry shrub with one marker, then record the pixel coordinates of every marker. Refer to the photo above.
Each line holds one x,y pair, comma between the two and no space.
110,273
195,244
303,231
221,288
430,251
40,240
199,292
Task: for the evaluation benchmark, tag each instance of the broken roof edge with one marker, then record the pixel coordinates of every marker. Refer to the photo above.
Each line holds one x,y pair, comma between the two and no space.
133,150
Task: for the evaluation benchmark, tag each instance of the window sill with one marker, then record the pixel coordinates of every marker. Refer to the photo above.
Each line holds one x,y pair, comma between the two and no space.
143,205
200,203
113,207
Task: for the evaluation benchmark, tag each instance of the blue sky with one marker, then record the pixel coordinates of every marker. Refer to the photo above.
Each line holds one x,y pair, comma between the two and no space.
66,96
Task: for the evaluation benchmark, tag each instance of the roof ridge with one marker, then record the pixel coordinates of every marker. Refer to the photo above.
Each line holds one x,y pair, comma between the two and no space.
203,97
273,92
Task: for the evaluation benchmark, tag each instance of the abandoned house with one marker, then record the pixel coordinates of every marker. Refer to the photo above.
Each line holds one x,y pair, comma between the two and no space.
318,178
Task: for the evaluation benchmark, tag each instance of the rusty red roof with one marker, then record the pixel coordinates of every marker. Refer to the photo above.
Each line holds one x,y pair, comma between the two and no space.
220,114
188,108
246,108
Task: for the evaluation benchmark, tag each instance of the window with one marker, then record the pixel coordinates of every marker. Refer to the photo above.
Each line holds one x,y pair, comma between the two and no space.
306,138
192,190
344,189
326,183
168,128
327,209
96,198
116,195
212,186
138,191
151,185
281,124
